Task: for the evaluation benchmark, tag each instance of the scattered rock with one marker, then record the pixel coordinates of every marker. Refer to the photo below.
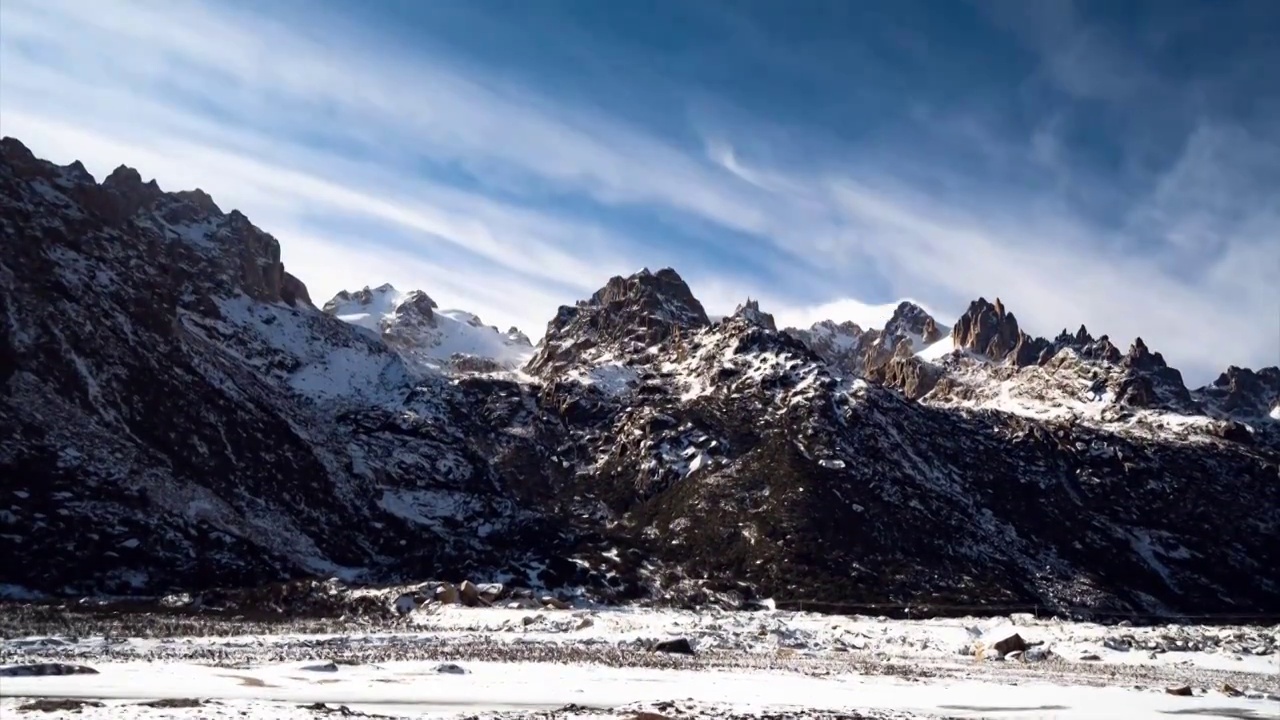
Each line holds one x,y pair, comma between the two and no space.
1181,690
469,594
43,669
1230,690
1037,654
1090,657
490,591
173,703
58,705
1010,644
342,710
176,601
408,602
446,594
678,646
330,666
552,601
451,669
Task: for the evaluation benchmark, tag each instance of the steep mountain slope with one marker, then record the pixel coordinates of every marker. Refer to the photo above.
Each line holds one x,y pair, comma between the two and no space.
429,338
177,414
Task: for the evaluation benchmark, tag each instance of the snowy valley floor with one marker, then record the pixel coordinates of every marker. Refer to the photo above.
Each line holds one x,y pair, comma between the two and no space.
455,662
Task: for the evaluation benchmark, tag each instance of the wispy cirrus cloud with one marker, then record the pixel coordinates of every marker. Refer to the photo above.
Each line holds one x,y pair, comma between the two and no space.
494,188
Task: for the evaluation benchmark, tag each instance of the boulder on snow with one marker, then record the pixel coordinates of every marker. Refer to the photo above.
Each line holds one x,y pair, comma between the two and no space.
1010,643
678,646
554,602
408,602
1181,690
469,594
490,591
446,594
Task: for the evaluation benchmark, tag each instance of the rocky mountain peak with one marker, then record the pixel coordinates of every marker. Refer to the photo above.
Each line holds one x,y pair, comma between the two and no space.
418,302
987,329
750,311
849,349
1079,338
1241,392
517,337
204,253
909,319
130,193
663,297
126,179
1141,357
428,339
18,157
626,315
200,200
912,321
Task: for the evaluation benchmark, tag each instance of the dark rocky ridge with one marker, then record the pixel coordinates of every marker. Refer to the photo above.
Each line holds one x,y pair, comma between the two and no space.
174,417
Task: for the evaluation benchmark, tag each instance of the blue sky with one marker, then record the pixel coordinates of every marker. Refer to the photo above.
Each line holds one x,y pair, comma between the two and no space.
1111,163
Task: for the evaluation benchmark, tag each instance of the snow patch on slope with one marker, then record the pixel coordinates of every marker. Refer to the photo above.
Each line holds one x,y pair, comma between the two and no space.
427,337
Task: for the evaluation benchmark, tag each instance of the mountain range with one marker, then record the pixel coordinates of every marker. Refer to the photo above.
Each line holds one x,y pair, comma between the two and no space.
178,415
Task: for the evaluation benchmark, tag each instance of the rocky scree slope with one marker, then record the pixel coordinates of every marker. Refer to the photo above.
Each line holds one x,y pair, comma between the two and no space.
178,415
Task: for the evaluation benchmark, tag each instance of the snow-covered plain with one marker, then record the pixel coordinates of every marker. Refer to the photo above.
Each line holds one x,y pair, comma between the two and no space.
454,662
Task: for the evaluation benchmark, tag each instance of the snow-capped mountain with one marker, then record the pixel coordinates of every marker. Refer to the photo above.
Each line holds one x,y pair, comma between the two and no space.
849,348
428,337
177,414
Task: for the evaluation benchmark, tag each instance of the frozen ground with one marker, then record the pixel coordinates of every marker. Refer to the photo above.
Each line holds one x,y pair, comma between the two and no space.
455,662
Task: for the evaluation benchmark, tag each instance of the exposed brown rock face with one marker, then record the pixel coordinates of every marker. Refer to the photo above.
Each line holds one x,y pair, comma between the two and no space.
988,329
293,291
913,376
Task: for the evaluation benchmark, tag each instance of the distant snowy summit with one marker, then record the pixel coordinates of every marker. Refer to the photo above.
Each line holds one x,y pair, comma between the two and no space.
850,349
426,336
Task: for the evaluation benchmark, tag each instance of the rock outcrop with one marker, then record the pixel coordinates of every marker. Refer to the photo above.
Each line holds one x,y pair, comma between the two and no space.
626,315
988,329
